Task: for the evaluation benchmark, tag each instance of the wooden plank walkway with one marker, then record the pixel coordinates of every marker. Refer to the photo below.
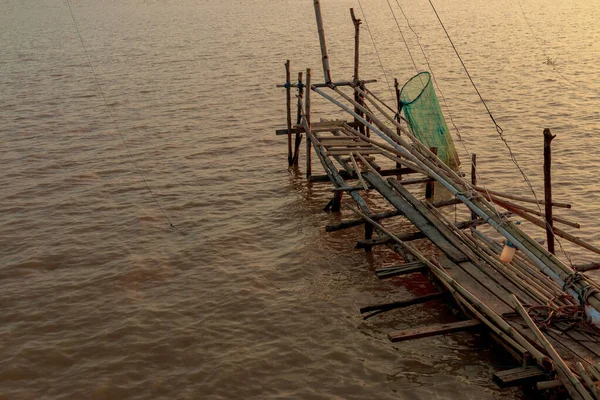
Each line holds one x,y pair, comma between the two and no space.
480,283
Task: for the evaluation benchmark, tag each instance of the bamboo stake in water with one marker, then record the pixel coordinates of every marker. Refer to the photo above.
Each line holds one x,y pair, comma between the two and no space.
288,93
307,115
548,188
323,42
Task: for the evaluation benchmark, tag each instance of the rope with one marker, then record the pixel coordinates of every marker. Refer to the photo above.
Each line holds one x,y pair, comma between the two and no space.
114,121
549,61
403,39
375,47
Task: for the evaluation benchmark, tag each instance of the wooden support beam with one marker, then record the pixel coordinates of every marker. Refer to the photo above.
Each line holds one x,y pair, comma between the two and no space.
339,83
519,376
401,269
432,330
416,181
379,308
548,385
346,176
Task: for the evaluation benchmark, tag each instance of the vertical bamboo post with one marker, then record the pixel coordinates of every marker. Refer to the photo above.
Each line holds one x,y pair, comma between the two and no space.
473,177
298,120
300,97
337,202
324,53
430,186
368,235
288,90
397,117
307,111
548,189
356,23
357,97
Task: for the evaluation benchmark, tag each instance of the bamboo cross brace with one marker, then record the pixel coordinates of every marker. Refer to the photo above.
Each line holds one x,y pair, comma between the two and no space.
357,172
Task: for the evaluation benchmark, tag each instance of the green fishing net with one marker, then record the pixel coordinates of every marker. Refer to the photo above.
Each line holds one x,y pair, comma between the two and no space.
426,121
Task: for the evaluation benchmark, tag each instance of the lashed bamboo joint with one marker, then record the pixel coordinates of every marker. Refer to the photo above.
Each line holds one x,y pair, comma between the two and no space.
371,145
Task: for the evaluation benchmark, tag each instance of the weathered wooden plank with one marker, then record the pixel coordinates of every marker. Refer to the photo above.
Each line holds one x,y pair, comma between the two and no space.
432,330
485,295
402,303
402,269
519,376
414,216
547,385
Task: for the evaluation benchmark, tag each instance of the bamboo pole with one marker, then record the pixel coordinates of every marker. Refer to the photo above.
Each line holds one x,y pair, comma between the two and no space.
473,177
356,22
519,198
523,266
298,140
339,83
338,181
548,188
399,109
430,186
591,369
557,231
502,202
588,380
323,42
288,92
307,116
525,285
573,385
357,172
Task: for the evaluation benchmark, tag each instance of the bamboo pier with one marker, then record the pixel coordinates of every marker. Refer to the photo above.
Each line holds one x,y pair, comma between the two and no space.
544,312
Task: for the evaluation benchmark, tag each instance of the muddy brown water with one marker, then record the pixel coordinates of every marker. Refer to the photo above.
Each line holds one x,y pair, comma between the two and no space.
248,298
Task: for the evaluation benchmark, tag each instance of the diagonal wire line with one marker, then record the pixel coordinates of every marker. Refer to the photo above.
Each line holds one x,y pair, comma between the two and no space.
114,121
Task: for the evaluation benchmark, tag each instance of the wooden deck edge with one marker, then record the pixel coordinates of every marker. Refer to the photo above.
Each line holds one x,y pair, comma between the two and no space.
433,330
